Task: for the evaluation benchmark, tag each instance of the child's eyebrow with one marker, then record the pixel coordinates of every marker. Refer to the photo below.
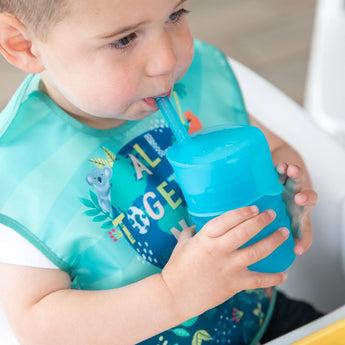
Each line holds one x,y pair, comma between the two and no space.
130,27
121,31
180,3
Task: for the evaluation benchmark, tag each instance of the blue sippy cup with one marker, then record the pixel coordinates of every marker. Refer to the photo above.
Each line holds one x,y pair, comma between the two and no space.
222,168
227,167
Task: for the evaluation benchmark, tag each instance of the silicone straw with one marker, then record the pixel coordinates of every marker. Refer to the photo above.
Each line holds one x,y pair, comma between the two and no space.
172,119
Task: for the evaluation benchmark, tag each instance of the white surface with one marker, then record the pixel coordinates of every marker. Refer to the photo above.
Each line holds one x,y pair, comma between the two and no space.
317,276
324,97
14,249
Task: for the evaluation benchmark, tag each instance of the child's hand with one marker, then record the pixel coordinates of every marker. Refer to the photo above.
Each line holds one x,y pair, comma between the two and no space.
208,268
299,201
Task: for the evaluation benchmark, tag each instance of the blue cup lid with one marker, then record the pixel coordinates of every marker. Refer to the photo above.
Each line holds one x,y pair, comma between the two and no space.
224,167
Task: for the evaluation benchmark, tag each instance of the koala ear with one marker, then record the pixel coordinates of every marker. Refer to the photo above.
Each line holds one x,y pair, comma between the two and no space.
89,180
16,45
107,171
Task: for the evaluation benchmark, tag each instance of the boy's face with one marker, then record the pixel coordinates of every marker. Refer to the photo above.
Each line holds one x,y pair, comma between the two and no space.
108,58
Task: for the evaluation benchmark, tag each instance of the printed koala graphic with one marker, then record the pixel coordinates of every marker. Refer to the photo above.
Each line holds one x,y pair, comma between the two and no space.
100,180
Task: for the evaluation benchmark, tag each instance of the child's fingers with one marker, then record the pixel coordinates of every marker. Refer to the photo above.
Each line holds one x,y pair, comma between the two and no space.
304,242
301,224
256,280
291,176
222,224
261,249
281,169
245,231
307,197
293,171
295,179
187,233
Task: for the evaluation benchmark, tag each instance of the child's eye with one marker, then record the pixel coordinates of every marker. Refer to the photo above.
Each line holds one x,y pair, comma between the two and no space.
177,16
124,42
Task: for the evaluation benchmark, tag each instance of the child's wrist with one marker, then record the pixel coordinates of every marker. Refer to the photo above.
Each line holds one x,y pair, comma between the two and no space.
174,306
180,306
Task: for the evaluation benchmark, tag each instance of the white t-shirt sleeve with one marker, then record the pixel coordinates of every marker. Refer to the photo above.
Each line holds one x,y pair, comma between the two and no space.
15,249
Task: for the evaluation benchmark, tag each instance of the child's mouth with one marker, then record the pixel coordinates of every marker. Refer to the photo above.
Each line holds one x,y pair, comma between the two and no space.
150,101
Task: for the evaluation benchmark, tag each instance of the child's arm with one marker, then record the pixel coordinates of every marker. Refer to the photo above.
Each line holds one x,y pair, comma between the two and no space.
204,270
298,194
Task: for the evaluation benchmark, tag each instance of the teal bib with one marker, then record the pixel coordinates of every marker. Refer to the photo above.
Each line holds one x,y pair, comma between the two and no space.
104,205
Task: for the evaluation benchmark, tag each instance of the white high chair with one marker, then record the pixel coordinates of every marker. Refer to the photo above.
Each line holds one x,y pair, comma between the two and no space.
317,276
324,97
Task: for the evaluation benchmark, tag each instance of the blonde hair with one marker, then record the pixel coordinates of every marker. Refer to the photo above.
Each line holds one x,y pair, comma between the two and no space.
37,15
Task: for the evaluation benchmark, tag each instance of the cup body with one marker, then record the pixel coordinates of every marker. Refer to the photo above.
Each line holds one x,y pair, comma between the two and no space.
283,256
227,167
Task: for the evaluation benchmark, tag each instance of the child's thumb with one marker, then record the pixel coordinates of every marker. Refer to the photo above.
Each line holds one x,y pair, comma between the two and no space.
187,233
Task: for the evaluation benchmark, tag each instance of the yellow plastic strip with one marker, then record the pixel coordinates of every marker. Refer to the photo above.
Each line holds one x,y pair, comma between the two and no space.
179,107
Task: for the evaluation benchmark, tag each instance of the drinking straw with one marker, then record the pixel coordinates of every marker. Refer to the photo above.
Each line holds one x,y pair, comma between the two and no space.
172,119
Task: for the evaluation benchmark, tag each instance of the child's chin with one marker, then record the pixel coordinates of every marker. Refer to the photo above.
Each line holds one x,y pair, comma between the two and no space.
145,114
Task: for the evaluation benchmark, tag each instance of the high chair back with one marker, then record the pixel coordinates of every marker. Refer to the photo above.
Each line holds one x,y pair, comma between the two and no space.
324,96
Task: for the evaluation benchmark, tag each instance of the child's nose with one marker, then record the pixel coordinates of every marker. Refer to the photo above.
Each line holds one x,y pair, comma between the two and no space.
162,58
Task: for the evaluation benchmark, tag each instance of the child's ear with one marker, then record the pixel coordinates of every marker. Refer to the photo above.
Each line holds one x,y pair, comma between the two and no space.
16,45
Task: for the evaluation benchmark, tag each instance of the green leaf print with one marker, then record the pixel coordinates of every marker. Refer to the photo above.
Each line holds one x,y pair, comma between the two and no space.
87,203
201,336
94,199
181,332
190,322
100,218
92,213
180,89
107,225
